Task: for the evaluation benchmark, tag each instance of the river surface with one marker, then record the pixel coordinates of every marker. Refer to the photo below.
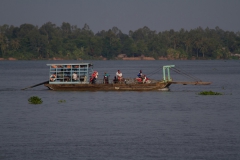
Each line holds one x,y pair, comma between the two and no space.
176,124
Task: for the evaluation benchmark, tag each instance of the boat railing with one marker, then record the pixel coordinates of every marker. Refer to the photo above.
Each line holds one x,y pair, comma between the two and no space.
70,73
124,81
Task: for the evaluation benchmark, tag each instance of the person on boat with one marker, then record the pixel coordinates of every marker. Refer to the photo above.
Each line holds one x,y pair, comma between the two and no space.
53,77
140,74
144,78
94,77
105,78
115,80
119,75
141,77
74,76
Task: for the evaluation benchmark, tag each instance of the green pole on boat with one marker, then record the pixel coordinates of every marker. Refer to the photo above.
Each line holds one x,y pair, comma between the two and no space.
168,72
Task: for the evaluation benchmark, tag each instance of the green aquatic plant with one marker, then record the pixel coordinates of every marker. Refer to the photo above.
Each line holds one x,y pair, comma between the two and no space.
61,101
209,93
35,100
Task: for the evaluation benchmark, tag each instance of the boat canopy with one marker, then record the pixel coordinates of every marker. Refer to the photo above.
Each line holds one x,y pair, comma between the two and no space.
70,73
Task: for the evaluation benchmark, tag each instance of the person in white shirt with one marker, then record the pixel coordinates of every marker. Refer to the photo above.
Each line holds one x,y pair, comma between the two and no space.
119,75
74,76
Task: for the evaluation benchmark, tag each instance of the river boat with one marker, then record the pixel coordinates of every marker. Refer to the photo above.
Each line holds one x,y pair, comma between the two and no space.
82,77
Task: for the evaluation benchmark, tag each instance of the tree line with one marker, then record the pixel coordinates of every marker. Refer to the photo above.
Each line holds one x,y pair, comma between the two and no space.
28,42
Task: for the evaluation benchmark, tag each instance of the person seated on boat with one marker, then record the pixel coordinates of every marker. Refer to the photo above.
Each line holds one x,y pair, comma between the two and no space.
140,74
115,80
74,77
67,78
119,75
141,77
94,77
53,77
144,78
105,78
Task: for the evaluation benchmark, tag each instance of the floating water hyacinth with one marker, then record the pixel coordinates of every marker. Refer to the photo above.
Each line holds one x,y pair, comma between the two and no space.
61,101
209,93
35,100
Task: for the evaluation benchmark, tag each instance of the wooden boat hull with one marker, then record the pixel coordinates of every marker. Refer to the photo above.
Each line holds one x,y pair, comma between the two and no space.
108,87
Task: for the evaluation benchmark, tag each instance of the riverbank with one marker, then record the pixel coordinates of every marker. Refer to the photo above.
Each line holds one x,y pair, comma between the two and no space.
124,58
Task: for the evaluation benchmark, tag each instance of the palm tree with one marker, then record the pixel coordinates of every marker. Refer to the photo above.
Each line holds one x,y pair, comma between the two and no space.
187,44
197,45
15,44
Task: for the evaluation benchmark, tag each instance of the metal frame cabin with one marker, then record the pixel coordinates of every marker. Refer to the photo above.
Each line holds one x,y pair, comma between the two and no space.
168,77
64,73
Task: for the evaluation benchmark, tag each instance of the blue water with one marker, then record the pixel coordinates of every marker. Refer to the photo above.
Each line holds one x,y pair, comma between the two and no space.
178,124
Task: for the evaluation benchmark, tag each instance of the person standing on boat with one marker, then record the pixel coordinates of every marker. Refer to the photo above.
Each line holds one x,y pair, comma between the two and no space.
94,77
105,78
119,75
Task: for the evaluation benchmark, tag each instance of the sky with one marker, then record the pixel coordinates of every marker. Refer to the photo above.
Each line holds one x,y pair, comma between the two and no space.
126,15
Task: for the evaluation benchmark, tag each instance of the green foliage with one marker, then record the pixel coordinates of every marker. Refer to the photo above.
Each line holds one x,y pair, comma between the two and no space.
35,100
70,42
62,101
173,54
209,93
